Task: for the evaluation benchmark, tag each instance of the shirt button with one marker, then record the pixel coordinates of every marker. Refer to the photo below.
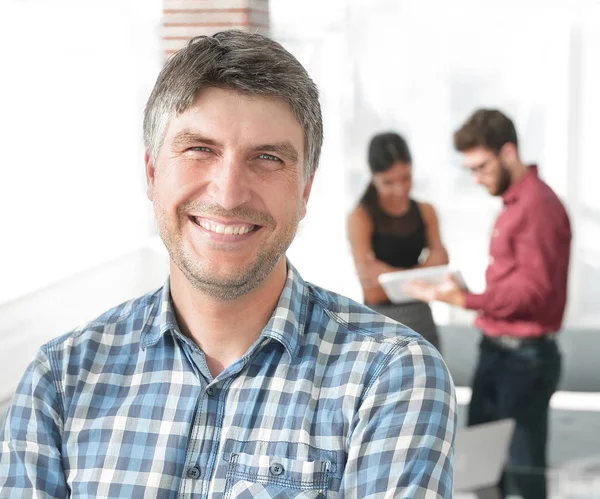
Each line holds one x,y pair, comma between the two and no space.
210,391
276,469
491,260
496,233
193,472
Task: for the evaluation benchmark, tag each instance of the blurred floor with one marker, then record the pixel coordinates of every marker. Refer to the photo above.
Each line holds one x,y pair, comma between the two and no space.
575,410
580,351
574,434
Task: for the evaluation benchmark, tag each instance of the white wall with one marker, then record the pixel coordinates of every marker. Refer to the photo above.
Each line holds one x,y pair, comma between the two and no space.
75,77
421,68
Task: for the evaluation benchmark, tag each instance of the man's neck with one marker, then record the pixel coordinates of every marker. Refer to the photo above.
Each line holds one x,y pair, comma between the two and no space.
225,329
517,172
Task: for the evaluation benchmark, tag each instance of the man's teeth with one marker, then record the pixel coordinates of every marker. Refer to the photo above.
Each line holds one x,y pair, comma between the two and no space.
225,229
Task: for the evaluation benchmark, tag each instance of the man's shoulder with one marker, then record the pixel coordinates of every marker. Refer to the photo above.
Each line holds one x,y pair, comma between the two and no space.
541,196
119,321
352,337
542,207
359,322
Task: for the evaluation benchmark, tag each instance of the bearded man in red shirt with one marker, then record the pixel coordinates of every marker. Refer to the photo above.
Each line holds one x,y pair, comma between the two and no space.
522,307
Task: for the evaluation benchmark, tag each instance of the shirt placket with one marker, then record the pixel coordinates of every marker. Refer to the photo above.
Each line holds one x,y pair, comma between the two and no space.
201,453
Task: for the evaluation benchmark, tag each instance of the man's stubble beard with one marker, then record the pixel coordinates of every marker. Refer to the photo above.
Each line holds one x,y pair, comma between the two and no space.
504,180
225,287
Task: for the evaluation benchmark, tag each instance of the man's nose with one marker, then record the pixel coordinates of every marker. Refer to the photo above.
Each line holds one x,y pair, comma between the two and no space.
229,184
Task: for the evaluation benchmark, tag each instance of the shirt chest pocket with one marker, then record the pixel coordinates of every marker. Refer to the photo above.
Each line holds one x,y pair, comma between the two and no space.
265,475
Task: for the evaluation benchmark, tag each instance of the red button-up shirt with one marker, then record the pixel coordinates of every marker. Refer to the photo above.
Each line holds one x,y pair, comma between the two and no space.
526,278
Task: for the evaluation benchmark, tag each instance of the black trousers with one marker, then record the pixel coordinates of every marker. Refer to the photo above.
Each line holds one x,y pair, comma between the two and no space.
518,384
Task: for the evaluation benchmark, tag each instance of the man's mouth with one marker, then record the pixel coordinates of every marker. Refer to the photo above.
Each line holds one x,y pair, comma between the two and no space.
234,228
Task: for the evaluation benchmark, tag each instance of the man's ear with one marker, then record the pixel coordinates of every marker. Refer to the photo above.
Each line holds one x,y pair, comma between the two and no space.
149,175
306,194
509,152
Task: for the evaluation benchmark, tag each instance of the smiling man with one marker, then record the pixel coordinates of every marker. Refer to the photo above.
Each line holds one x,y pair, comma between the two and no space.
236,378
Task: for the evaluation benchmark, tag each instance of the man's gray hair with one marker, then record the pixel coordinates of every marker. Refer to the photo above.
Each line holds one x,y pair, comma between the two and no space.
245,62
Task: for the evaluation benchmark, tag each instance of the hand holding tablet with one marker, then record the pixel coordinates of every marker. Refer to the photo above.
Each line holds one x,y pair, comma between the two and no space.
407,285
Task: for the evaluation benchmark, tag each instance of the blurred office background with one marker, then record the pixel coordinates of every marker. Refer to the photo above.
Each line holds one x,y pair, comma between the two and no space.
77,233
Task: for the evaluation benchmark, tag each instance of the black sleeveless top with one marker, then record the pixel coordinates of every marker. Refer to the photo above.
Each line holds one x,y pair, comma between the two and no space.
397,240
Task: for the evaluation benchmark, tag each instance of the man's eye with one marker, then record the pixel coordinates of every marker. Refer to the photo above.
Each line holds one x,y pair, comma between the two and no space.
199,149
269,157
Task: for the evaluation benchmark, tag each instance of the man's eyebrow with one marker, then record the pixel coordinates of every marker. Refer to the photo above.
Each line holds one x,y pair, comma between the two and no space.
285,149
479,166
186,137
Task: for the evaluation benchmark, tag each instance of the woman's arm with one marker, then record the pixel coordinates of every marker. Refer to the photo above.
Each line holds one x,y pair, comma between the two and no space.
368,268
437,253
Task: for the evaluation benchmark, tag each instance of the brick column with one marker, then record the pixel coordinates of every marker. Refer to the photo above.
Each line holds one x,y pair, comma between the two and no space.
184,19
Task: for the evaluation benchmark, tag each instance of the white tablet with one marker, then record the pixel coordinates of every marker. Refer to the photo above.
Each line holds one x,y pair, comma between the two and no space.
393,282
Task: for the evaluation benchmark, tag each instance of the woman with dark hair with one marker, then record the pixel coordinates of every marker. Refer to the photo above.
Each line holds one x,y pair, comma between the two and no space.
389,231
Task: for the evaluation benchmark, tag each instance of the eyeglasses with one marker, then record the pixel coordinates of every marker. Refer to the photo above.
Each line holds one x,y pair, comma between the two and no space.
480,169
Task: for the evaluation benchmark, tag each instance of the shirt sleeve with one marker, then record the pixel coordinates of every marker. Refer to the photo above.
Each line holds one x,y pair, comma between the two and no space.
523,293
402,441
30,457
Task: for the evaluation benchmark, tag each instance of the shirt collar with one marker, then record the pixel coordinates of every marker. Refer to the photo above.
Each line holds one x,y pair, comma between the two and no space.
162,318
516,190
286,324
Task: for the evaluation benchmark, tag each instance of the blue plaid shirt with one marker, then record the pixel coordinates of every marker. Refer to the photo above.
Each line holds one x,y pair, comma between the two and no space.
333,400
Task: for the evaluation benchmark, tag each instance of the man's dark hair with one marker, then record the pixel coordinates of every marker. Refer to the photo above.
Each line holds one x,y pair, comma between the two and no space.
487,128
234,60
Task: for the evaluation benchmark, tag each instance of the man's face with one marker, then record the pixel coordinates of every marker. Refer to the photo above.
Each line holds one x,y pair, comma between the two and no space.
488,169
228,189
